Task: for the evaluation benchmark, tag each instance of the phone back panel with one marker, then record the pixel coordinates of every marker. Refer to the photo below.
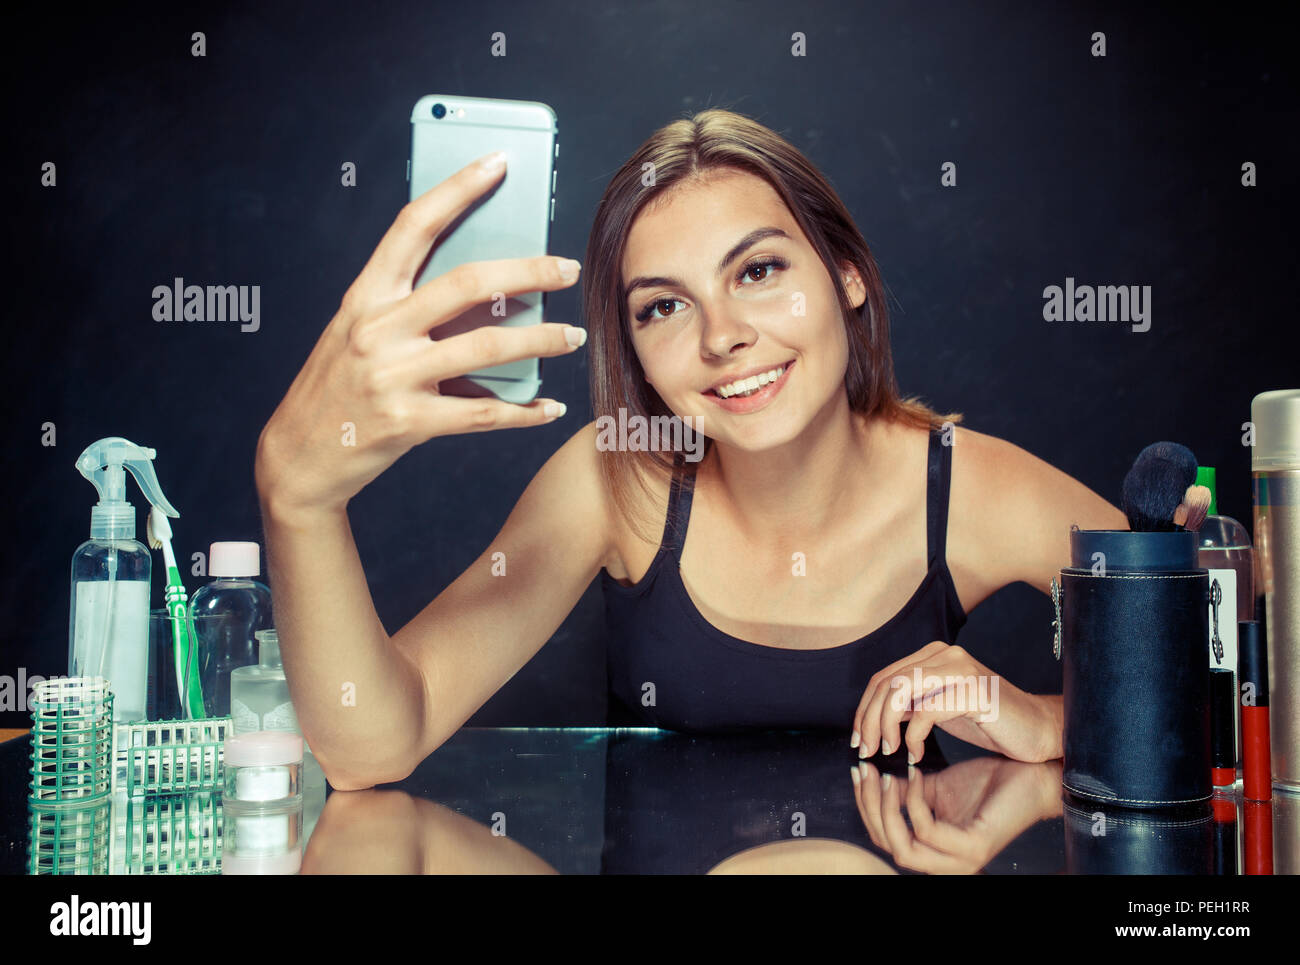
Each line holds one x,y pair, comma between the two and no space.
513,221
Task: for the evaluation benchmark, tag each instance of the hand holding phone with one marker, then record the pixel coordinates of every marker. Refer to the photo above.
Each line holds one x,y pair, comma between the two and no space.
368,392
511,221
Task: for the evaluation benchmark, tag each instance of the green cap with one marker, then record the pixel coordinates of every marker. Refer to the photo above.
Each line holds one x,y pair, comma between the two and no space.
1205,477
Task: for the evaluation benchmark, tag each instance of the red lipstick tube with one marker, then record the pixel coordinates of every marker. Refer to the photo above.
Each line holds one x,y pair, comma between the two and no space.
1223,728
1252,663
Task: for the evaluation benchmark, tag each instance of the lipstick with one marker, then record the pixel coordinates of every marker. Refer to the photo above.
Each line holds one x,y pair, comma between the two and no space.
1252,662
1223,728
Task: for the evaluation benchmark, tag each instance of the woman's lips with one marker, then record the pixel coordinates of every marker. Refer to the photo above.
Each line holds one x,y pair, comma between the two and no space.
751,403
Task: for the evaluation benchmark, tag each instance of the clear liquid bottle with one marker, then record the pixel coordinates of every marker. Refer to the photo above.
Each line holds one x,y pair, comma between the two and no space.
259,700
228,613
108,624
259,695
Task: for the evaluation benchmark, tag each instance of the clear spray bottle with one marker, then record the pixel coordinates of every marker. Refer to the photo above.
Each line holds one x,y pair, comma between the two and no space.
108,631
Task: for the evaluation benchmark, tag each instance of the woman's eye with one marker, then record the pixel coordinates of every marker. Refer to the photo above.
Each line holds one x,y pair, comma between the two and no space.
648,312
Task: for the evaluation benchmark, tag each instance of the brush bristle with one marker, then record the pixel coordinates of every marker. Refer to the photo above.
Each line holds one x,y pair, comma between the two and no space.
1156,485
1197,504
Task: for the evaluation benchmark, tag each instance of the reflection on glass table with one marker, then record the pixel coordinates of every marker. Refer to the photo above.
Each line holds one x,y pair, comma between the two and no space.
644,801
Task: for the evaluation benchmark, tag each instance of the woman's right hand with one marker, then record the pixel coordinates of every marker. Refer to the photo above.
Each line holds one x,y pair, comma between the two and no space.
368,392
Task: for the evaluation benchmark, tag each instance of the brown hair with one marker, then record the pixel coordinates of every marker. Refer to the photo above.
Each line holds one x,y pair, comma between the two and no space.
686,149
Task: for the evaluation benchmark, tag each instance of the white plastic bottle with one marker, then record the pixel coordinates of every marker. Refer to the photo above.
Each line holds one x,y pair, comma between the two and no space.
108,622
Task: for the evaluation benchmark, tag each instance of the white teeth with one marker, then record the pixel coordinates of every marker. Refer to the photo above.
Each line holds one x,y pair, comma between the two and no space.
751,384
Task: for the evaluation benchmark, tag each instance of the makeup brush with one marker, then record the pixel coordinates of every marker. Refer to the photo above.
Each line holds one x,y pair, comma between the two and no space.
1160,492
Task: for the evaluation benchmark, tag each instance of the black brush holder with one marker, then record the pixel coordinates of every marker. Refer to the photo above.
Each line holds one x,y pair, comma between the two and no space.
1132,633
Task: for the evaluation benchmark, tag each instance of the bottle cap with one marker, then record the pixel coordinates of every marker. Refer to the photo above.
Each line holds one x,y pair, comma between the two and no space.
1276,417
268,649
233,559
105,463
263,748
1252,661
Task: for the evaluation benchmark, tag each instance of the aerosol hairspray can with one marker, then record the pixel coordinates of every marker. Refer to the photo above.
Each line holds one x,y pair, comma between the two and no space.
1275,472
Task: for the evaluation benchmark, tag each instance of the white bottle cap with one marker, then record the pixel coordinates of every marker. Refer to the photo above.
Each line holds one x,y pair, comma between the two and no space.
233,559
1276,416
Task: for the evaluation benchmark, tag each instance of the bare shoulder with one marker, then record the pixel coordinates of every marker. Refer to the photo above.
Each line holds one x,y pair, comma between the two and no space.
580,491
1010,514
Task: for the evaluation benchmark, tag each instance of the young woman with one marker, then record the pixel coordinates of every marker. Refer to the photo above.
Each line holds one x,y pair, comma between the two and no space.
809,570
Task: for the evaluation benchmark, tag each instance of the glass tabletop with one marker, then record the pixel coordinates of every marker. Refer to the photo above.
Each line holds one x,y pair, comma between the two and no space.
647,801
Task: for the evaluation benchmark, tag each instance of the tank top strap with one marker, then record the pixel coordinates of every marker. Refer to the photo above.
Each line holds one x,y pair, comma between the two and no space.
679,509
938,483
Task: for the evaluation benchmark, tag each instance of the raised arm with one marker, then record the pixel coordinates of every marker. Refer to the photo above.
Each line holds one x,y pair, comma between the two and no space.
369,706
372,707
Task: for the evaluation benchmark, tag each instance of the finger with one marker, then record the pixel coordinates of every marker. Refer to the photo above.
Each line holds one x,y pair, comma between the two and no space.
494,345
931,661
455,292
919,728
390,272
907,851
880,679
947,849
893,707
450,416
869,802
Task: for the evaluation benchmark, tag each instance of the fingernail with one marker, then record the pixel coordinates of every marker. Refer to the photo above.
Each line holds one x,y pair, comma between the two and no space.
857,778
862,752
553,410
569,269
886,780
853,741
911,759
493,163
886,747
575,336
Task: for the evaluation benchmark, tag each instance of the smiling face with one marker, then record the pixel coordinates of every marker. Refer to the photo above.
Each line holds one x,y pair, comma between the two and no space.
724,292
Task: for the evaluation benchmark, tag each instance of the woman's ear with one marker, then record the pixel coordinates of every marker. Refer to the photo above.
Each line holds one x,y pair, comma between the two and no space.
853,285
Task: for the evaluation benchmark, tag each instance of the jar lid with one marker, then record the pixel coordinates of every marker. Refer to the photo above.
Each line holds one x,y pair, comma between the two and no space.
263,747
1122,549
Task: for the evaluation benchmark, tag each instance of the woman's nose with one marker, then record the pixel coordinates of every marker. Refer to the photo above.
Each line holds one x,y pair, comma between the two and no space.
725,331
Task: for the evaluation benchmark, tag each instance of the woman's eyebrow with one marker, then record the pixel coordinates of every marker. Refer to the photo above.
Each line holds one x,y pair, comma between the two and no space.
738,249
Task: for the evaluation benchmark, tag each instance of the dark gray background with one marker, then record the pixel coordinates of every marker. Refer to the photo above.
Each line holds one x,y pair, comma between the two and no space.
225,170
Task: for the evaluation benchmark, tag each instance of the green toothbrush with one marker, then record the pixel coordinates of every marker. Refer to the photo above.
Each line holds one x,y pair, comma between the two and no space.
184,646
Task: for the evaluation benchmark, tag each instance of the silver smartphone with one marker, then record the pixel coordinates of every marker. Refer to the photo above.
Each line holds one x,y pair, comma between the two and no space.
511,221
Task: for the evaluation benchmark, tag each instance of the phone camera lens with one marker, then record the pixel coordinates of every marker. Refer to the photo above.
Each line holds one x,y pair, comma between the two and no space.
439,111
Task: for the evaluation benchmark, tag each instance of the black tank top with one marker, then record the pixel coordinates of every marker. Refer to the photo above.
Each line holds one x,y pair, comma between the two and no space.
706,680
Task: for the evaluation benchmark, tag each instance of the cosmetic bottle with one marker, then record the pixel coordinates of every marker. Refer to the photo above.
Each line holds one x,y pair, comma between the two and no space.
1224,549
228,612
263,767
108,626
259,699
259,694
1275,476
